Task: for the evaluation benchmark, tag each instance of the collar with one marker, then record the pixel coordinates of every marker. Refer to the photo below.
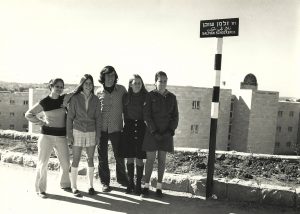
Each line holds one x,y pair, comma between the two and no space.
86,97
115,88
166,92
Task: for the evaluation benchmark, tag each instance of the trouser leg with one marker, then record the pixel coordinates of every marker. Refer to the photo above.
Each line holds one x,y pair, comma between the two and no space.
44,151
74,173
121,175
103,167
63,154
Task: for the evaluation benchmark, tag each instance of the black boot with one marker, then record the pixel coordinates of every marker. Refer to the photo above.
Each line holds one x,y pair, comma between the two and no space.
139,176
130,173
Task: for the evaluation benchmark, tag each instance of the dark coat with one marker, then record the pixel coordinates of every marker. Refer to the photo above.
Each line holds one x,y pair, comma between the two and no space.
161,117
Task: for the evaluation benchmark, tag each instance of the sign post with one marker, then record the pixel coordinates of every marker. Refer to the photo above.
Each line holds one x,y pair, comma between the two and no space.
218,28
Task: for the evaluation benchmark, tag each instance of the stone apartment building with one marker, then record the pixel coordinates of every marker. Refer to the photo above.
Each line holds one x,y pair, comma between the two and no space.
251,120
287,127
12,109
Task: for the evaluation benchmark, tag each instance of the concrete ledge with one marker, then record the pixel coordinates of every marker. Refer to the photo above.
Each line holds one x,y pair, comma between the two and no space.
198,185
233,190
239,190
276,195
174,182
220,188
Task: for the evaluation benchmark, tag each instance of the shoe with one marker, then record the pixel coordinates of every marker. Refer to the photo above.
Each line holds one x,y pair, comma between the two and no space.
129,190
145,192
91,191
42,194
76,193
67,189
123,183
106,188
159,193
138,190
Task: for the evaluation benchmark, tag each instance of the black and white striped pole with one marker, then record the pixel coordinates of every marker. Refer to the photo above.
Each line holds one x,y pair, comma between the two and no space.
216,28
214,119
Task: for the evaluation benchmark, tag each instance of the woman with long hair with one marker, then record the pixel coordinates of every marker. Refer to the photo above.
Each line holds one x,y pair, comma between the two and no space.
134,131
83,129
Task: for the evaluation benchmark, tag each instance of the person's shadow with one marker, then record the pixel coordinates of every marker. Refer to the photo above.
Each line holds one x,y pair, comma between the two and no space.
130,203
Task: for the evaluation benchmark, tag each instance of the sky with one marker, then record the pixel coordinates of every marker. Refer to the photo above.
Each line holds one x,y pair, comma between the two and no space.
44,39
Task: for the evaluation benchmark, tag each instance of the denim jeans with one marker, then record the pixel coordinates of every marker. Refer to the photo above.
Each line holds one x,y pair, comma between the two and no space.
103,168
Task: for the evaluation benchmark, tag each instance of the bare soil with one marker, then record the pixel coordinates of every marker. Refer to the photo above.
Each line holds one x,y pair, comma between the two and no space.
263,171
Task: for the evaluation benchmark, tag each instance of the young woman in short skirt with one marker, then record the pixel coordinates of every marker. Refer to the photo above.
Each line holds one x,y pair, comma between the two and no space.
83,129
134,131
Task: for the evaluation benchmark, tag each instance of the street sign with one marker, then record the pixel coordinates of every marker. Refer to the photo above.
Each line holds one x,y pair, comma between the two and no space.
219,27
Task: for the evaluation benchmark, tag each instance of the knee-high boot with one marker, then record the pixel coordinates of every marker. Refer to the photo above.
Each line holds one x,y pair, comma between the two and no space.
139,176
130,173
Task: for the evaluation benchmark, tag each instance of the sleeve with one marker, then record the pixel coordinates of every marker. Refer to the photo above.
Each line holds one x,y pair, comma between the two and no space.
98,118
31,114
147,114
66,98
174,117
70,117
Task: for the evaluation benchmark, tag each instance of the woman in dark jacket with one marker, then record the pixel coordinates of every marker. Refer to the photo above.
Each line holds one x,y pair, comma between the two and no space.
161,117
134,131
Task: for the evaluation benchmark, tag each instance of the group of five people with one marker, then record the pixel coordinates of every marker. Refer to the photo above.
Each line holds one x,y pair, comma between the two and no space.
139,124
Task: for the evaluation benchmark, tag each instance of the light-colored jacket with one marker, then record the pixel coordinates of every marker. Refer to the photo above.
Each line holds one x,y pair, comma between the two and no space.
81,119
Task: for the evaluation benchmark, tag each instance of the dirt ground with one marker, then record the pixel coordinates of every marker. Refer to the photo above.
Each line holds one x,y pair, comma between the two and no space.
269,171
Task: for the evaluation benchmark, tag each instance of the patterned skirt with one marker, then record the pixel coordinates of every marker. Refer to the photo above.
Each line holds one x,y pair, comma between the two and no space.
84,139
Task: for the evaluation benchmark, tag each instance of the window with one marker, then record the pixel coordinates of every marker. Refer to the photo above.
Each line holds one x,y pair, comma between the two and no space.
290,129
277,145
291,114
196,104
11,126
194,129
280,113
12,102
25,102
12,114
288,144
278,128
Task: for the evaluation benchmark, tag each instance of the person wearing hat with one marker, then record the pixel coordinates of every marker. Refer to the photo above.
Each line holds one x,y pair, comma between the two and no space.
83,129
110,97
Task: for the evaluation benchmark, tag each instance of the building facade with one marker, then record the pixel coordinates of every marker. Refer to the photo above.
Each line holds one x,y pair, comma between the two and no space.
287,127
12,109
250,120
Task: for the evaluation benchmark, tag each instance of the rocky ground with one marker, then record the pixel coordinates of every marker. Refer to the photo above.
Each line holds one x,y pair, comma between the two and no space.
274,171
262,170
